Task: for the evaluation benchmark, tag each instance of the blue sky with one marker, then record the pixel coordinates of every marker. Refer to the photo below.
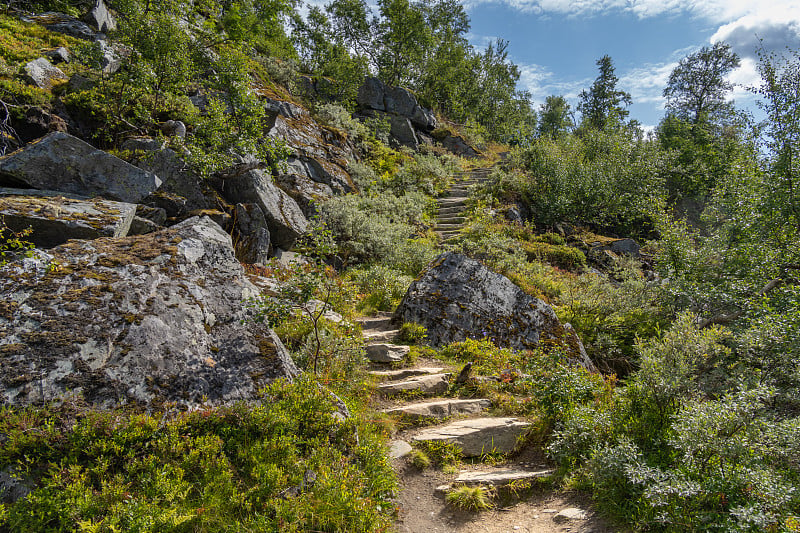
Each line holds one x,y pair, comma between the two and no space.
556,42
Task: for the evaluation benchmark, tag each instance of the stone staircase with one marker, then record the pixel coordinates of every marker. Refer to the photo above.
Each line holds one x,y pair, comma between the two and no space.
452,205
460,421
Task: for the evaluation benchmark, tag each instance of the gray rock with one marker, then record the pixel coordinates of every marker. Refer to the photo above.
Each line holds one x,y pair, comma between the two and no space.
253,240
441,408
404,373
41,73
400,101
478,435
381,336
371,94
14,486
62,162
306,192
457,145
386,353
572,513
458,298
285,218
402,131
59,55
424,119
99,17
151,320
626,246
142,226
176,176
426,385
174,128
37,123
399,449
62,23
55,220
499,476
110,56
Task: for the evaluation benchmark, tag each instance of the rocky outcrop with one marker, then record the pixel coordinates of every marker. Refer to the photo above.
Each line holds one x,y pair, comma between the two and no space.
376,95
63,23
55,219
61,162
151,320
100,18
458,298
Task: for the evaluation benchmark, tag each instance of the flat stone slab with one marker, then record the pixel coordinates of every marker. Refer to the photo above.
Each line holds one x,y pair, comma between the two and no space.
381,336
430,385
399,448
386,353
441,408
404,373
55,220
499,476
478,435
572,513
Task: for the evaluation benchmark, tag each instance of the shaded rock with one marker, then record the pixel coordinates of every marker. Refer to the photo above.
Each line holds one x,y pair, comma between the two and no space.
156,215
59,55
284,217
253,240
174,128
305,191
38,123
149,320
55,220
100,18
176,176
441,408
63,23
41,73
458,298
499,476
375,95
65,163
14,486
457,145
478,435
142,226
426,385
403,132
572,513
386,353
625,246
370,94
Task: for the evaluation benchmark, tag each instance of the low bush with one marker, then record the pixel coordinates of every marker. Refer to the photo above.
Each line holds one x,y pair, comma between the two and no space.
381,287
285,464
469,498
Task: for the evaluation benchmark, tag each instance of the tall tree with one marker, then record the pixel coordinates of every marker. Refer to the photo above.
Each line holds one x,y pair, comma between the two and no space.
603,104
555,117
697,87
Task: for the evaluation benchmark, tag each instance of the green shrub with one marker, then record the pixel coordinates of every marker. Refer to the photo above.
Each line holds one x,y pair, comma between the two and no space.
412,333
382,287
559,255
288,463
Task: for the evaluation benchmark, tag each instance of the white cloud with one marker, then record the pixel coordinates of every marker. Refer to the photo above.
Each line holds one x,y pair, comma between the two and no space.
647,83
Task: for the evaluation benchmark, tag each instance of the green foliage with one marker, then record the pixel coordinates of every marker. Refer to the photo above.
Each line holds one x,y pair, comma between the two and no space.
469,498
609,180
441,454
412,333
555,118
288,463
382,287
13,243
420,459
603,105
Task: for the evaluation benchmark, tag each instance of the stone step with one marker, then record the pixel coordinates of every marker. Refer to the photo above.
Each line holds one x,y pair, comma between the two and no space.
429,385
386,353
380,321
448,227
441,408
451,220
477,436
380,336
451,202
454,210
499,476
404,373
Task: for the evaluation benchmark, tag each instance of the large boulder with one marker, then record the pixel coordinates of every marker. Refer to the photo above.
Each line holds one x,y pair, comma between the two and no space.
63,23
61,162
458,298
55,219
284,217
99,17
153,320
377,96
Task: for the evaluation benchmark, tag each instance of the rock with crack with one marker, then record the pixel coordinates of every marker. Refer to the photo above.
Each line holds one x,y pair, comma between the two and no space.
458,298
478,436
56,219
151,320
61,162
387,353
441,408
500,476
429,385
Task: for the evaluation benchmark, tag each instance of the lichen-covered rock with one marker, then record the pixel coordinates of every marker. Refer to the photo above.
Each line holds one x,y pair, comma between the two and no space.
100,18
149,320
56,219
306,192
41,73
252,232
61,162
63,23
375,95
458,298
